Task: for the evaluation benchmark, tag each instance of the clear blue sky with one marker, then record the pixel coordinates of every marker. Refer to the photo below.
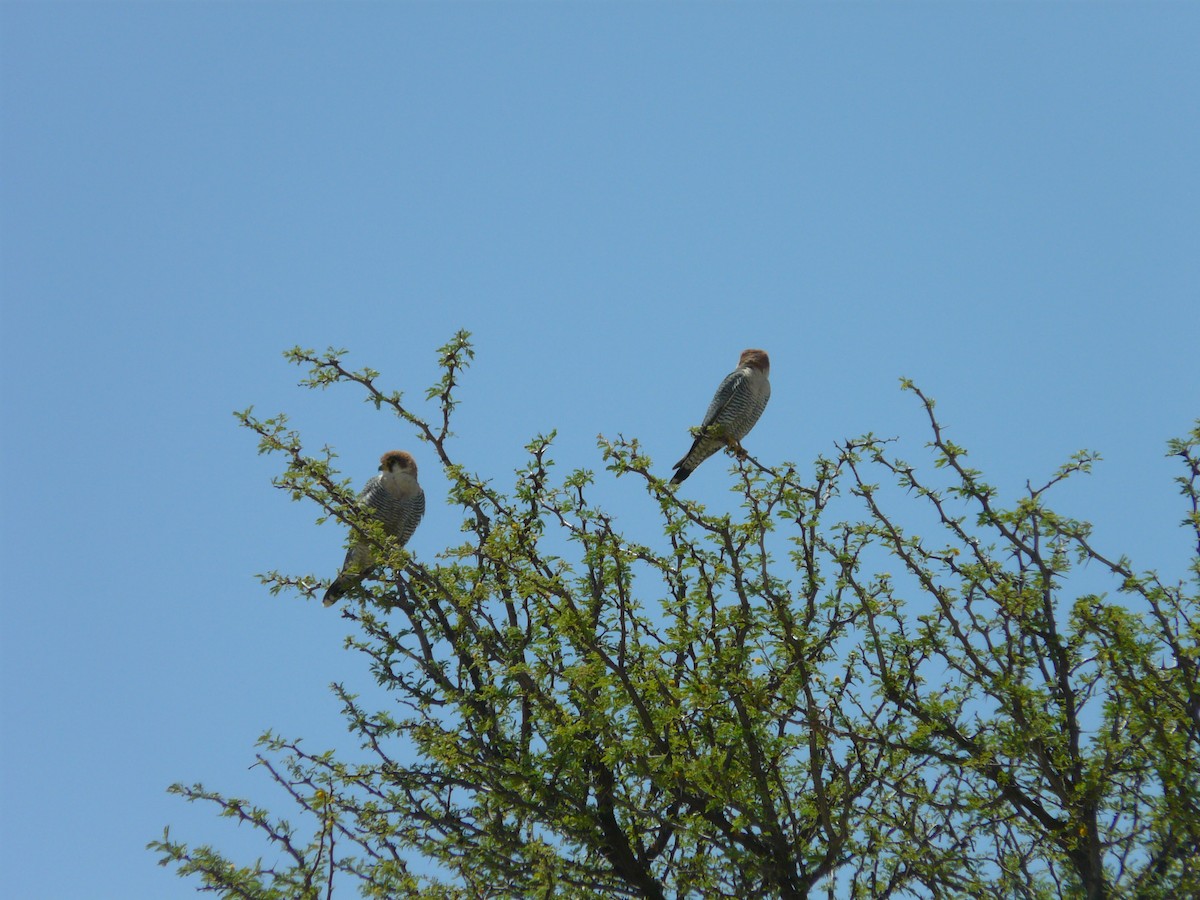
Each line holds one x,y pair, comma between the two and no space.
1001,201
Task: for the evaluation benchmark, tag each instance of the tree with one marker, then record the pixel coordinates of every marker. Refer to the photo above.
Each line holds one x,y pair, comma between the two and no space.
807,697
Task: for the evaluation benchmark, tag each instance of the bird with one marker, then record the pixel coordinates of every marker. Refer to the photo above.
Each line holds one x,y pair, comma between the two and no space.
739,401
394,498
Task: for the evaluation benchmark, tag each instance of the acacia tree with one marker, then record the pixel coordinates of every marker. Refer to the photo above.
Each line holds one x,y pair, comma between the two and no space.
804,698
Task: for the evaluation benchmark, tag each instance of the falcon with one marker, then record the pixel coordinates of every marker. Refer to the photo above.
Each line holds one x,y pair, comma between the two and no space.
736,406
394,498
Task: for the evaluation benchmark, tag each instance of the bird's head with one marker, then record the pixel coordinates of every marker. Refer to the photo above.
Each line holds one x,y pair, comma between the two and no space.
397,462
755,359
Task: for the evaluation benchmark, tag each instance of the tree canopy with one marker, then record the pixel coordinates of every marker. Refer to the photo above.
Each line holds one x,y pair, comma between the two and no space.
875,680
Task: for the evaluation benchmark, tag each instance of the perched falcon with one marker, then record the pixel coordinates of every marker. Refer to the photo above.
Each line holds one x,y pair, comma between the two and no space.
395,499
736,406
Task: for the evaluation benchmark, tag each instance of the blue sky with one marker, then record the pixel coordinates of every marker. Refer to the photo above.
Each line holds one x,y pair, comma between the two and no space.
1001,201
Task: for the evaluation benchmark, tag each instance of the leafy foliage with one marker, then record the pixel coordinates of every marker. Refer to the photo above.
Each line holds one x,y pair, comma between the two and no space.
808,697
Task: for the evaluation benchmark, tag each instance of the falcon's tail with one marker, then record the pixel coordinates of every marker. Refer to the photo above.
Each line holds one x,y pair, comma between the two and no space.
691,459
343,583
334,593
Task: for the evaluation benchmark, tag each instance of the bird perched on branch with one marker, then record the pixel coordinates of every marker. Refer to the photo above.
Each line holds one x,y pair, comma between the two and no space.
736,406
394,498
